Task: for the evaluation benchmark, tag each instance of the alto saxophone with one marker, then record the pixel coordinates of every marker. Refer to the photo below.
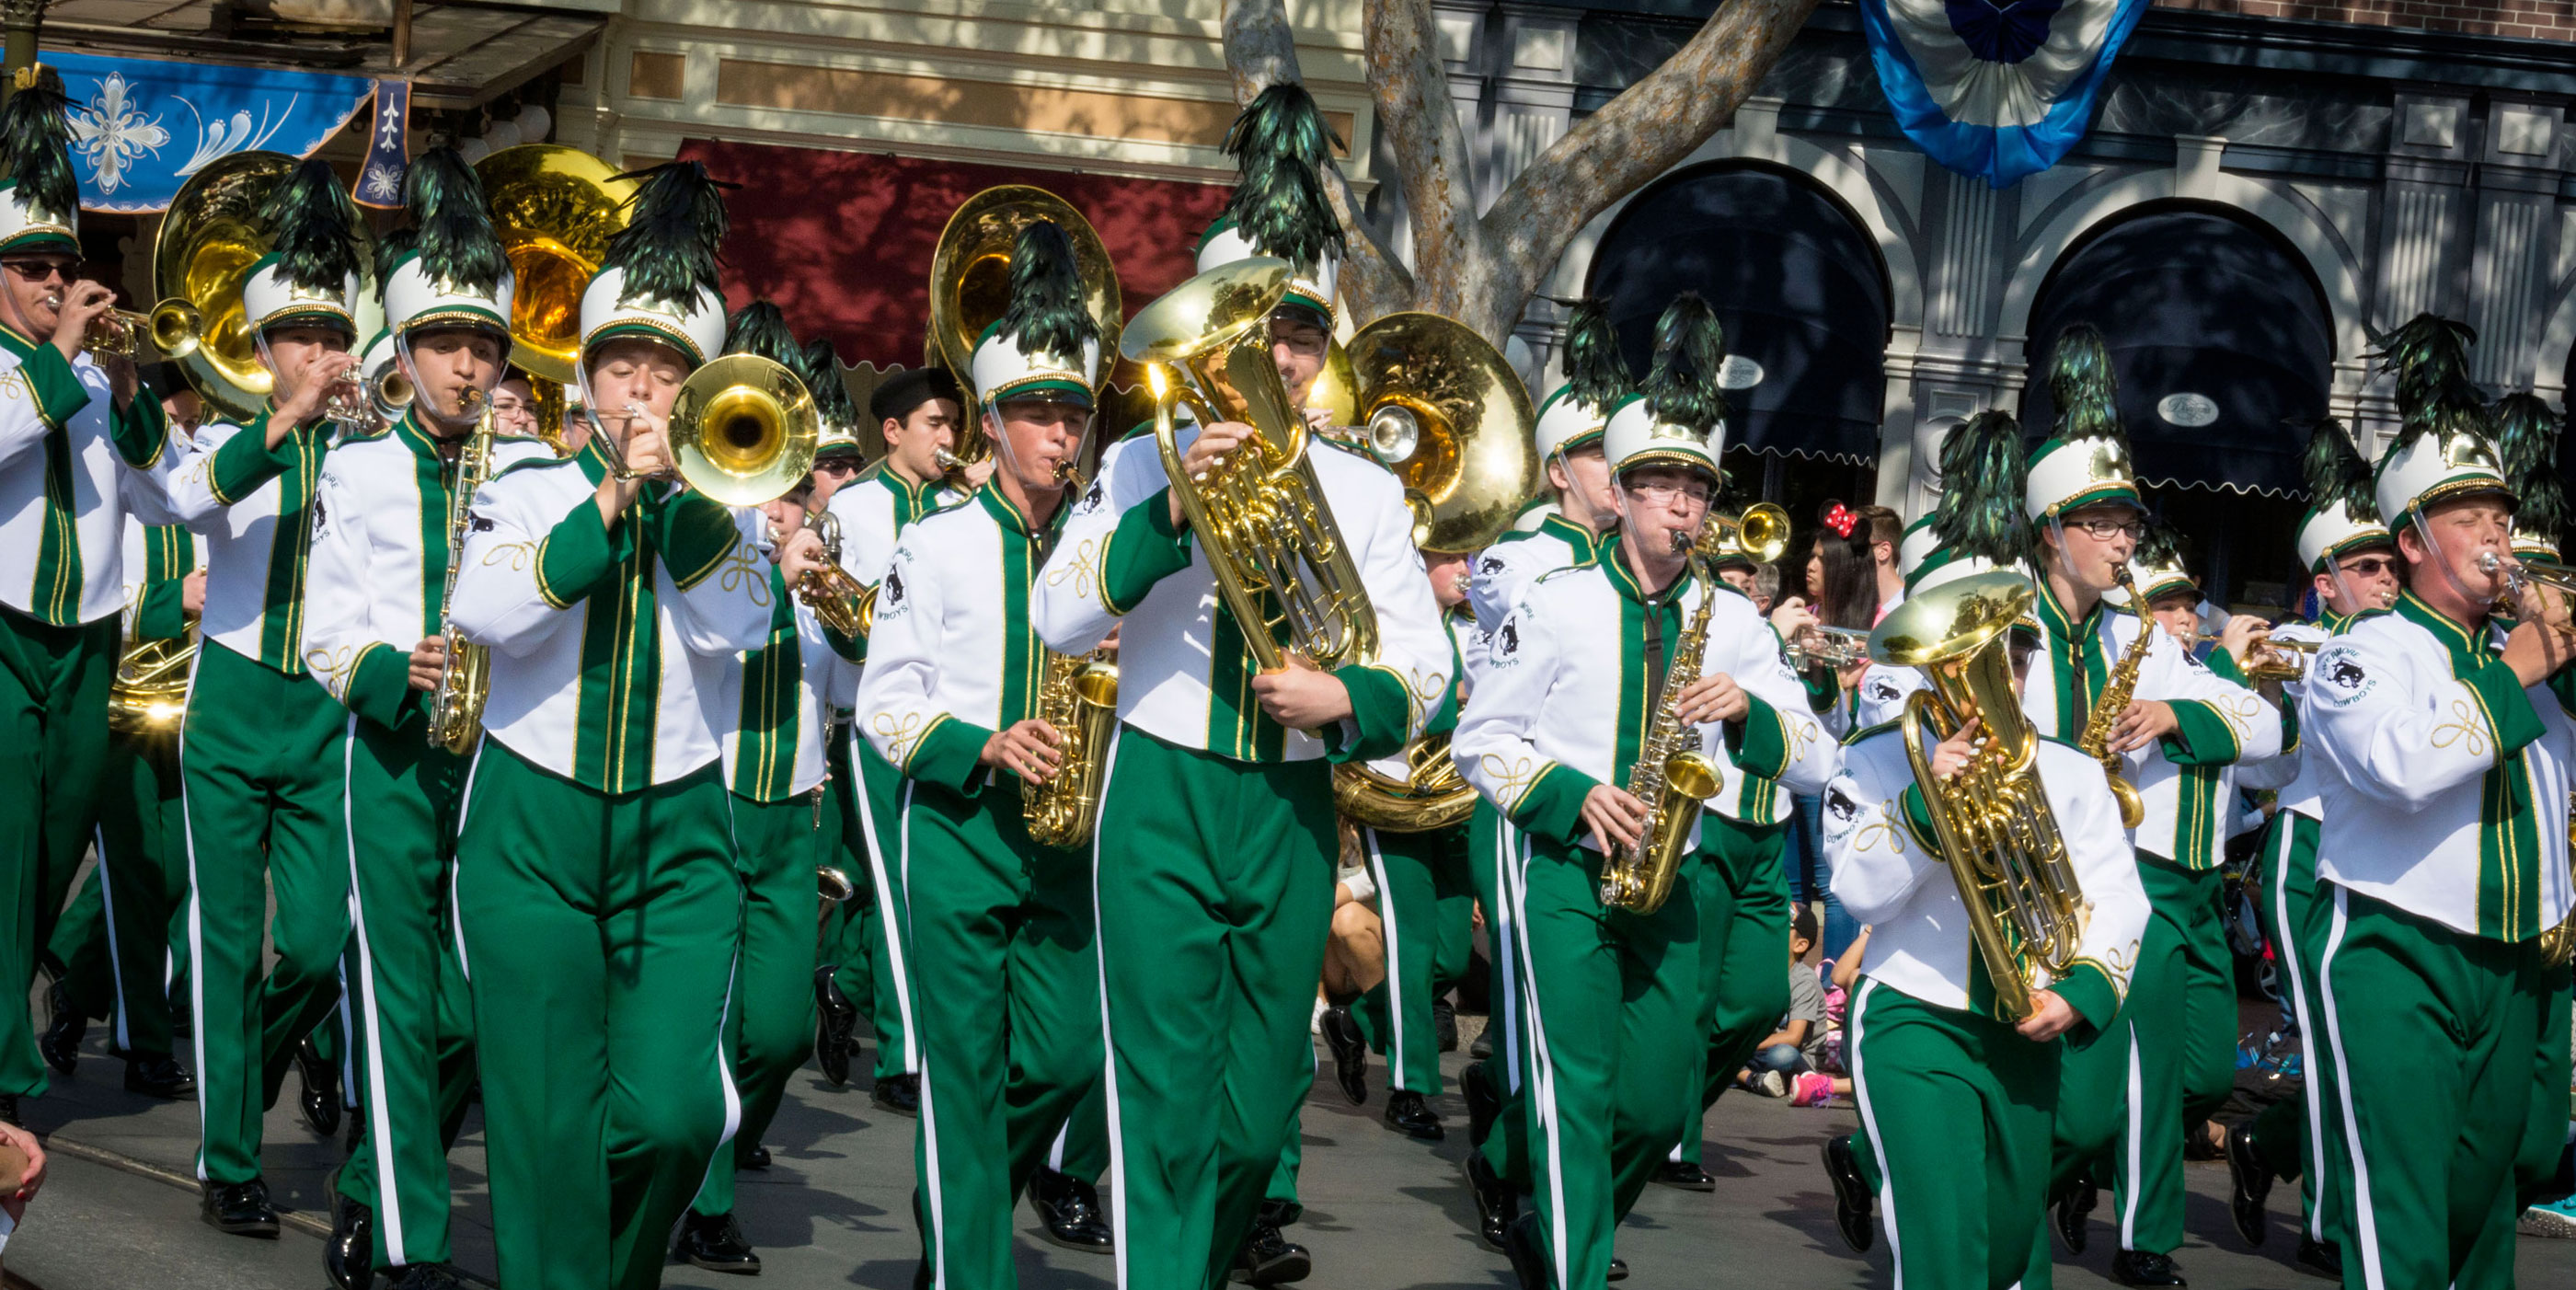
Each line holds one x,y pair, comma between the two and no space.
1671,776
2558,944
1080,699
2117,689
456,706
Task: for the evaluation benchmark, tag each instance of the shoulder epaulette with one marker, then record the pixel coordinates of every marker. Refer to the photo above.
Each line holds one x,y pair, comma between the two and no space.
1866,731
1564,570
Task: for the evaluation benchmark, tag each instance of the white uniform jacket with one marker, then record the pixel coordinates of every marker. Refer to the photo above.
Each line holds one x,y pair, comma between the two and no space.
2445,778
70,470
613,654
1184,673
254,508
1563,704
1889,873
790,691
1504,570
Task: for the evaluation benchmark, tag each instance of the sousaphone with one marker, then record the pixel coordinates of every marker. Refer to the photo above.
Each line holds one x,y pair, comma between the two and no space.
970,284
555,209
208,241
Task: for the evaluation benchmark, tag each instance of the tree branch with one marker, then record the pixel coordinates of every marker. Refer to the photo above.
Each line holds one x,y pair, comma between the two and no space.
1648,129
1261,51
1436,176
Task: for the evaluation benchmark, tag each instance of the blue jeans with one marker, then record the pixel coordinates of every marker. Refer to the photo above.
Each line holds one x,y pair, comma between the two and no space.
1808,882
1787,1059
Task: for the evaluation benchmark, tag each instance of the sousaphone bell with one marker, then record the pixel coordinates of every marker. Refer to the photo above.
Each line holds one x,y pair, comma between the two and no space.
970,285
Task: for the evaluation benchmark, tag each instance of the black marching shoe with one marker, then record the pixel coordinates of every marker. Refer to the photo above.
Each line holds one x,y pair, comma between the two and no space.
1496,1204
1270,1259
2145,1268
1444,1024
1350,1053
2252,1183
836,1020
349,1254
1484,1104
1069,1208
756,1158
715,1242
2324,1258
2073,1206
239,1208
160,1077
318,1089
1618,1269
1853,1200
1407,1113
1685,1175
428,1276
900,1094
1520,1245
61,1041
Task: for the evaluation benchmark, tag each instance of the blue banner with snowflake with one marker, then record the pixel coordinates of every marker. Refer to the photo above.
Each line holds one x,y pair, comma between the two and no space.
142,126
1995,89
380,180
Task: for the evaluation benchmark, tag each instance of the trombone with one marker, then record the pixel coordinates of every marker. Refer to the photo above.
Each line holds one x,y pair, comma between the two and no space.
742,431
2522,575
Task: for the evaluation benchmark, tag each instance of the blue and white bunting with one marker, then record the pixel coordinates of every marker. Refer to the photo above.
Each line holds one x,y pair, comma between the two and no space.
380,180
142,126
1996,91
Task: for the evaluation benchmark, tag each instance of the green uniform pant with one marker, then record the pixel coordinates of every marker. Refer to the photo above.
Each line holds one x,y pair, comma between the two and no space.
2431,1032
114,943
1613,1001
53,762
769,1020
1007,980
412,1017
1280,1196
2544,1141
2296,1136
1425,901
1493,848
600,936
1956,1108
264,760
1081,1147
1743,898
870,951
1215,896
2181,1018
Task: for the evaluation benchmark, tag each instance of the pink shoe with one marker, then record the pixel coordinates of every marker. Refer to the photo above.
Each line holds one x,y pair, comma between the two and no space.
1811,1088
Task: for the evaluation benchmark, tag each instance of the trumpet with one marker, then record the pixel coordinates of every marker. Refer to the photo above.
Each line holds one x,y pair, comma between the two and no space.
1760,534
2271,658
382,399
172,328
1833,647
2522,575
838,600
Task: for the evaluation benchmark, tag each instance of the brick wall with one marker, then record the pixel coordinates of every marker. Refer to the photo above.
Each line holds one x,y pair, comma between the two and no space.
2529,19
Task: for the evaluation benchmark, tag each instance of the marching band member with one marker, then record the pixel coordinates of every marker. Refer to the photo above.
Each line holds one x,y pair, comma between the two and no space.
2443,845
919,413
1004,970
2352,570
262,755
1585,511
1219,784
72,433
596,884
1608,993
375,636
2182,723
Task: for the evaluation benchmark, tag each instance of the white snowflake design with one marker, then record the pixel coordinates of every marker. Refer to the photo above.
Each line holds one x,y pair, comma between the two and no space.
382,184
114,133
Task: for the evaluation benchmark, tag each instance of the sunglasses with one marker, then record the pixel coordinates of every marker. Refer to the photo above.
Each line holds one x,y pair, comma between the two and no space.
2370,566
42,270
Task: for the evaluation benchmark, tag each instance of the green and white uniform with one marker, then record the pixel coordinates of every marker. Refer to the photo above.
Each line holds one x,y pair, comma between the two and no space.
2443,845
596,880
263,765
1609,997
1005,973
70,473
374,590
114,941
1955,1103
1219,847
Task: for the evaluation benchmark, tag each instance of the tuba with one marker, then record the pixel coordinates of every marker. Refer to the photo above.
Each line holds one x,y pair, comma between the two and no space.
970,286
1995,827
208,242
1671,775
1443,409
555,209
743,431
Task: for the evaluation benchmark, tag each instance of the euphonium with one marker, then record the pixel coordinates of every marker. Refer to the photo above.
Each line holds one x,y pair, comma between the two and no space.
2117,690
1259,515
1671,776
456,706
150,692
2025,911
1080,699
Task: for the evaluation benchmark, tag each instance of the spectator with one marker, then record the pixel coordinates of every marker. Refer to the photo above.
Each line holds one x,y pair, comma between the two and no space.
22,1172
1793,1049
1766,587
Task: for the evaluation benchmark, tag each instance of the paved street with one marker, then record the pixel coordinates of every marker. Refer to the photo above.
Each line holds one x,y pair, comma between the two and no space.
1381,1211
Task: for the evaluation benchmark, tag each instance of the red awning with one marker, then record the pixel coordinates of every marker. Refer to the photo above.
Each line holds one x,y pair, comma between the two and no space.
842,240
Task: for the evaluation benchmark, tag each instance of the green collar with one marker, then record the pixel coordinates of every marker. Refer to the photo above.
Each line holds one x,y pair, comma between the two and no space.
2059,622
2467,646
16,344
592,459
414,435
1624,579
1012,518
1585,542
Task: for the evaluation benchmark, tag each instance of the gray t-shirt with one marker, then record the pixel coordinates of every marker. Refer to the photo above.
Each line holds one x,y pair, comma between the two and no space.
1807,1003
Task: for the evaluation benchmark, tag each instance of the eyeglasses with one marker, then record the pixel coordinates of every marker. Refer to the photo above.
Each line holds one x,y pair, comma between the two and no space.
2104,530
505,406
2370,566
1664,493
836,467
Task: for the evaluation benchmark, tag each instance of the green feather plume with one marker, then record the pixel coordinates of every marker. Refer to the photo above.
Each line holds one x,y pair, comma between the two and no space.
1690,346
314,227
2080,383
1594,367
674,223
2435,396
1983,469
820,369
35,147
2159,546
1046,314
451,222
760,328
2335,471
1280,144
2527,445
395,244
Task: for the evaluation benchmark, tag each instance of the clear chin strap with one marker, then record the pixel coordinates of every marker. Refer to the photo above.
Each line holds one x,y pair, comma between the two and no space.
2441,560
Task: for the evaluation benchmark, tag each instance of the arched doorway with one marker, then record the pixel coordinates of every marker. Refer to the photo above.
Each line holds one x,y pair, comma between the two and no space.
1803,295
2224,347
